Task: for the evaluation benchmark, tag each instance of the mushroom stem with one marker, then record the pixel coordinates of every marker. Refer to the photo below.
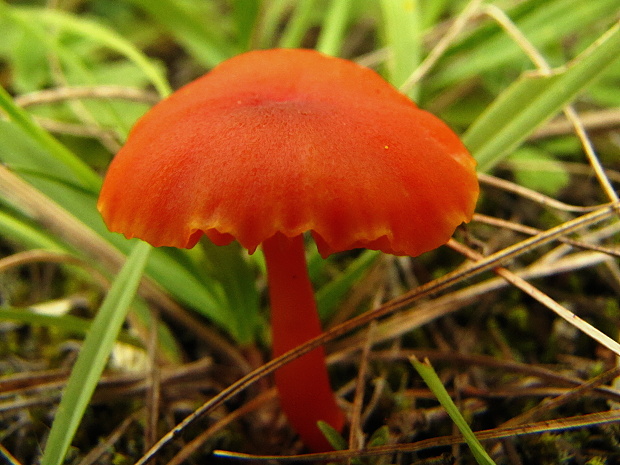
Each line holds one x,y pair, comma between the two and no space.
303,384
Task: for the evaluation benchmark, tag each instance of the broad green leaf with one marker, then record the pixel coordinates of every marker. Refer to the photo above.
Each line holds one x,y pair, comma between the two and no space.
534,99
93,356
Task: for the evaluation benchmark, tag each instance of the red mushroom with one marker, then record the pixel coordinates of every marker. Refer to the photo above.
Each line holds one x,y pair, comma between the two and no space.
271,144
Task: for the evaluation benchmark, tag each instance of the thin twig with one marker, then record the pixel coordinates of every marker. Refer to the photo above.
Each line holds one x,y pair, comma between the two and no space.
259,401
153,393
80,130
593,236
425,312
521,228
498,15
593,121
528,370
61,94
580,391
8,457
571,114
544,299
455,29
95,454
47,256
580,421
537,197
356,438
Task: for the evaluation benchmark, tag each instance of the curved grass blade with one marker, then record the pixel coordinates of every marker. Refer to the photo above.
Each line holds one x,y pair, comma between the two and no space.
94,355
241,300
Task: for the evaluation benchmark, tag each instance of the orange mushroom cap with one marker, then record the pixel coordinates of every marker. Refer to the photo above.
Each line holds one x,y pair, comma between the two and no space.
291,141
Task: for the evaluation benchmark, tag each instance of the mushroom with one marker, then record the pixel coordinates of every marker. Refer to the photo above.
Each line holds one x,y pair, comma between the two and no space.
271,144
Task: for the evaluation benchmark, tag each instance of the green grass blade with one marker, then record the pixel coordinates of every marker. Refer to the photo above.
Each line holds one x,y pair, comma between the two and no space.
246,14
331,294
271,20
433,12
544,23
401,22
75,44
94,355
45,174
333,436
27,234
80,170
434,383
334,27
298,24
228,267
97,33
201,36
534,99
68,323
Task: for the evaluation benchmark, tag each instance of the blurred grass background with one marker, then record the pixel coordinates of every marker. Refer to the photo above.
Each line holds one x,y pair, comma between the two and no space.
75,75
